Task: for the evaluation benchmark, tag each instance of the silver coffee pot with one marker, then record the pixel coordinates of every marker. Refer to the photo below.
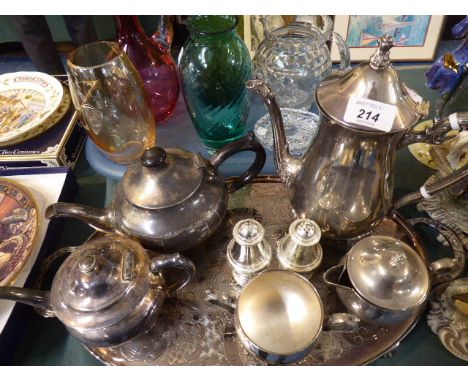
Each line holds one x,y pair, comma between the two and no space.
170,199
344,182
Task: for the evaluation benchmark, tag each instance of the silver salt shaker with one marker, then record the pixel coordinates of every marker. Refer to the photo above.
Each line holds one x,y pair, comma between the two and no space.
299,250
248,252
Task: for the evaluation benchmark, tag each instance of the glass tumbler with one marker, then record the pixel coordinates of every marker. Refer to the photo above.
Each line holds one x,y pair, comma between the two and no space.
108,94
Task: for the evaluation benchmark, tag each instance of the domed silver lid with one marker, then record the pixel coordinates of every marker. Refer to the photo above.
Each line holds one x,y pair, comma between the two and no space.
374,80
162,178
100,283
388,273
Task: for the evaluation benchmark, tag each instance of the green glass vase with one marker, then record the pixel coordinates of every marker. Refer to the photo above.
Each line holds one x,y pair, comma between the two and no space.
214,66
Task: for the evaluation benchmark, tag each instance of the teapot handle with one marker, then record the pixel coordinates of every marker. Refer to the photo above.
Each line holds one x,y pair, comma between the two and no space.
248,143
177,261
446,269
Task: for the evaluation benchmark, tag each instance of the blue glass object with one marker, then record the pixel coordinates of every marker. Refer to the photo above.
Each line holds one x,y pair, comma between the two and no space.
447,71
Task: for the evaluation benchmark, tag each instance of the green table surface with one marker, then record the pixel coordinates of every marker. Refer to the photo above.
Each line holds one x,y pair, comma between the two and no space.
45,341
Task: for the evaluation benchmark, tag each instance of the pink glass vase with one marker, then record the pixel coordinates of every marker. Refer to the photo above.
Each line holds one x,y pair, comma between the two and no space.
153,61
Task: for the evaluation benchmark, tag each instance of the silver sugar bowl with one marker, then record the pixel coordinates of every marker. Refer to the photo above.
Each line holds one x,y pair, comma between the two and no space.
248,252
299,250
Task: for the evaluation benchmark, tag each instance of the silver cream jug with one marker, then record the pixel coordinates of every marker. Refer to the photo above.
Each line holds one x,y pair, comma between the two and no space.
344,182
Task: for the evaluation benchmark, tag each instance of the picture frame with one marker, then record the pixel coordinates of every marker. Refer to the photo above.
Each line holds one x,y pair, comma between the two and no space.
416,36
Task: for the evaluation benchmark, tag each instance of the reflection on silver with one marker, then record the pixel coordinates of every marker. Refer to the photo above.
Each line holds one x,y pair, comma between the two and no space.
279,316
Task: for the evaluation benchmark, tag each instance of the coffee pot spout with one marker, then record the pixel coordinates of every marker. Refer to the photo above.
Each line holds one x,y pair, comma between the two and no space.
287,165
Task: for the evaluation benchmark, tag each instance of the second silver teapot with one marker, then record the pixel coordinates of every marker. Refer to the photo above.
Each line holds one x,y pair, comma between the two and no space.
170,199
107,291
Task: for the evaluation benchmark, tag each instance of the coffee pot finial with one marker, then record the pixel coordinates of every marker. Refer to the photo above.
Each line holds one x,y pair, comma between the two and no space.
381,57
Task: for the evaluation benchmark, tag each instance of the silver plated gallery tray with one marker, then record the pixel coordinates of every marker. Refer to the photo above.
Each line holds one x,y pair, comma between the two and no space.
191,331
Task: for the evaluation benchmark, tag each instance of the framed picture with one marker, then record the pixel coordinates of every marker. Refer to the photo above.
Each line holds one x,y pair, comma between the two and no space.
416,37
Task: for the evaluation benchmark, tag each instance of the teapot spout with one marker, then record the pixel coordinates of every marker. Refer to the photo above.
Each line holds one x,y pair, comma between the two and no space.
99,219
287,165
36,298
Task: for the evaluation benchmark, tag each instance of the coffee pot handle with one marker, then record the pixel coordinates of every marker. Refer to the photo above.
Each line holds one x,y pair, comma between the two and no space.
174,261
428,191
445,269
248,143
437,133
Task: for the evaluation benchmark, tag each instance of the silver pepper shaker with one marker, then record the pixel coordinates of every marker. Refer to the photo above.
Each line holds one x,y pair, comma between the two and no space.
248,252
299,250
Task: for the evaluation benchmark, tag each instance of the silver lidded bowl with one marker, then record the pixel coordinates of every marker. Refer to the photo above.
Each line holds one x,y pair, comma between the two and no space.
381,280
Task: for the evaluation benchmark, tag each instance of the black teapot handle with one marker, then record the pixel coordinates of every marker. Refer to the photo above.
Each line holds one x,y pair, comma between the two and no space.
248,143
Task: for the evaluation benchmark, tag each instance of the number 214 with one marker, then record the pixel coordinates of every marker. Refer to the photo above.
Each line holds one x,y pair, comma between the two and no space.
368,114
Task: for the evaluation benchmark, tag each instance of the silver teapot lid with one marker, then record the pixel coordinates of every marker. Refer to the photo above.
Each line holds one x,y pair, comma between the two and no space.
100,283
162,178
388,273
374,80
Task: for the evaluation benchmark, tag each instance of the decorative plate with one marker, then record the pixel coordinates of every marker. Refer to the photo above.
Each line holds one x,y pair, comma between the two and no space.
55,117
27,100
18,229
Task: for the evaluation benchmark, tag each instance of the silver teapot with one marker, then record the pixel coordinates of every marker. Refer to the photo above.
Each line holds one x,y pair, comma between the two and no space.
170,199
107,291
344,182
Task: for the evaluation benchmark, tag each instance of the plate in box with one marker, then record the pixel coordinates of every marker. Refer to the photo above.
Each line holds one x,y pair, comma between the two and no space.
27,100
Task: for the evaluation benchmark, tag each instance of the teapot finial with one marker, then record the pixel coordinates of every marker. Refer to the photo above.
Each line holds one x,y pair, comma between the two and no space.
381,57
